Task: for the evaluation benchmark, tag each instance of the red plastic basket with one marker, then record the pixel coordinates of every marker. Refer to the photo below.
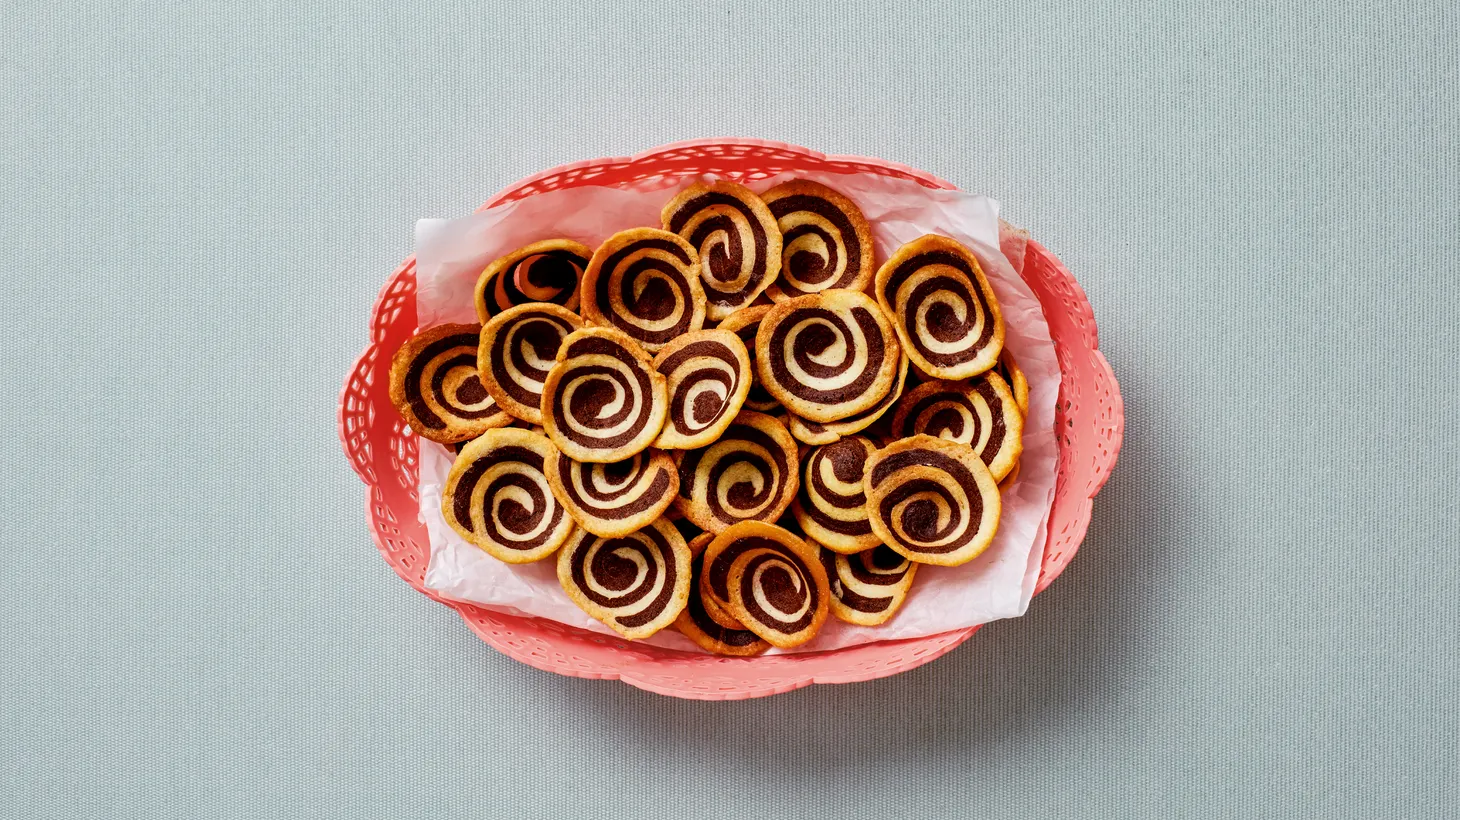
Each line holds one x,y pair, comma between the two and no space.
1089,420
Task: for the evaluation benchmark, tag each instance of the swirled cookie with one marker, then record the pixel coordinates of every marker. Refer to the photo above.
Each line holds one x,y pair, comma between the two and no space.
748,474
498,498
518,348
832,506
547,271
981,413
618,498
867,588
736,237
714,631
768,580
745,323
827,356
825,240
825,432
946,314
708,375
932,500
602,400
646,283
1018,383
435,385
637,584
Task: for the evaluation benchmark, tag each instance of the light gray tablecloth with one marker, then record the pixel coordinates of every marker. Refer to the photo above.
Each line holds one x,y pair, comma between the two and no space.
200,203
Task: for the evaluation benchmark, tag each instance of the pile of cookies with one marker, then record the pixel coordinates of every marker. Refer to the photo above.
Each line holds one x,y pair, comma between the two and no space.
651,410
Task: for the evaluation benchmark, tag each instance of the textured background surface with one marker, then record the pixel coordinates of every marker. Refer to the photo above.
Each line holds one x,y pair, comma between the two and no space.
1263,205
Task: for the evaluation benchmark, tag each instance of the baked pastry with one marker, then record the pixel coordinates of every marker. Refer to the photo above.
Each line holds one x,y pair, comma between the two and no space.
832,505
497,496
946,314
1018,383
602,401
827,356
981,413
435,385
646,283
867,588
769,580
637,584
518,348
825,432
713,631
618,498
547,271
748,474
708,376
736,237
745,323
932,500
825,240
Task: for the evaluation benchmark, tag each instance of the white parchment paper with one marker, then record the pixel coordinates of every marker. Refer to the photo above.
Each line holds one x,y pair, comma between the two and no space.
451,253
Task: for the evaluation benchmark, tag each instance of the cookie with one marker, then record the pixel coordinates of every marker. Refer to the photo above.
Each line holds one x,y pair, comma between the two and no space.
1009,369
745,323
768,580
736,237
713,631
825,432
748,474
827,356
646,283
602,400
636,584
868,588
825,240
832,506
946,314
548,271
618,498
981,413
498,498
932,500
708,376
518,348
435,385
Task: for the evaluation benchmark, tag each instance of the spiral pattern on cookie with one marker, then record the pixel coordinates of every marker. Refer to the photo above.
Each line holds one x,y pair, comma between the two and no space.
645,282
548,271
825,240
736,237
832,505
827,356
868,588
519,346
497,496
616,498
710,627
768,580
636,584
435,385
602,401
982,414
745,323
945,311
708,376
748,474
825,432
932,500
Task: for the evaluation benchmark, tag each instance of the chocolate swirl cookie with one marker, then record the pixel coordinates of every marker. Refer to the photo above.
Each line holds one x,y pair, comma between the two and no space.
646,283
435,385
869,587
637,584
519,346
547,271
1018,383
708,374
618,498
748,474
707,624
737,239
769,581
819,432
745,323
827,356
982,414
825,240
832,506
498,498
932,500
602,401
945,312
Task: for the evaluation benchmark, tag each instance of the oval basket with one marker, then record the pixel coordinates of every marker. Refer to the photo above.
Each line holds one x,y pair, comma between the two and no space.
1088,418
